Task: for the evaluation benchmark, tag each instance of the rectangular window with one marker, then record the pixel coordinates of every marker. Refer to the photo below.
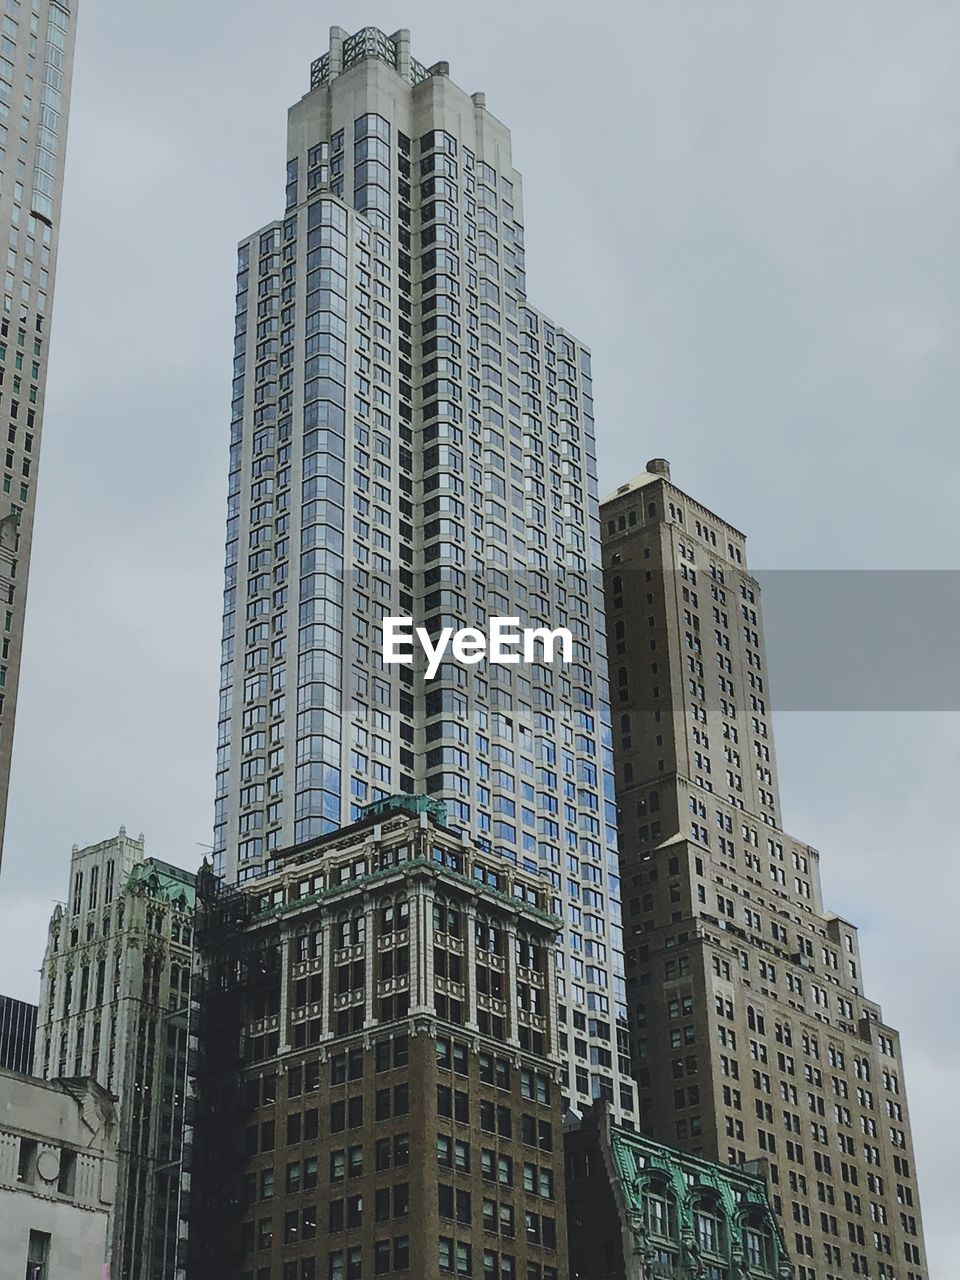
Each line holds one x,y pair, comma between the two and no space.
27,1161
38,1254
66,1179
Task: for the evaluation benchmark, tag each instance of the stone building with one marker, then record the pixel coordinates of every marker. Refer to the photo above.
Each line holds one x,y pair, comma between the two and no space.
380,1083
115,1005
58,1177
637,1210
752,1033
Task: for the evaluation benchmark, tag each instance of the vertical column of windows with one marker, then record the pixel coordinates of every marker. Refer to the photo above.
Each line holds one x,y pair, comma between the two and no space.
378,466
403,498
441,457
231,561
322,587
254,479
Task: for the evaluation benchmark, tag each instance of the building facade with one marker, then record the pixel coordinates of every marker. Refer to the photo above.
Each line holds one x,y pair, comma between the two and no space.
751,1031
411,437
380,1079
115,1005
18,1031
58,1176
36,61
638,1210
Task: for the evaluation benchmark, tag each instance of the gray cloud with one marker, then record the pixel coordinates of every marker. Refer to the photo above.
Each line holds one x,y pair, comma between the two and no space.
748,210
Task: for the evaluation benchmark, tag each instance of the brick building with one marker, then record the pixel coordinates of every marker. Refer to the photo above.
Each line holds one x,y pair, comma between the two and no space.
380,1078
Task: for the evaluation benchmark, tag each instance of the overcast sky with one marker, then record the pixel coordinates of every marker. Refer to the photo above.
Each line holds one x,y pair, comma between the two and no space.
748,210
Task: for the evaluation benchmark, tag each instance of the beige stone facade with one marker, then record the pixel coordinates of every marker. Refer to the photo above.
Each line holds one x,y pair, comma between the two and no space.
751,1032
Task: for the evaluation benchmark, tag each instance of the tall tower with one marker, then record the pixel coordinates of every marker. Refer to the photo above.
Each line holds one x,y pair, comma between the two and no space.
36,61
411,437
752,1036
115,1006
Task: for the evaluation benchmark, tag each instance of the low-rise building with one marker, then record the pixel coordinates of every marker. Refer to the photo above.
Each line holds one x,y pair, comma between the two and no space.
58,1177
637,1210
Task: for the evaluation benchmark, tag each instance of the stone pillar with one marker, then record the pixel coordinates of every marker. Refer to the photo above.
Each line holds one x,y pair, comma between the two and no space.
421,949
285,934
550,1000
470,959
371,955
337,37
510,970
401,41
327,971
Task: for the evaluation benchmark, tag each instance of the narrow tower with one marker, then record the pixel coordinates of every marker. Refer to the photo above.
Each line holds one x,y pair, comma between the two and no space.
115,1006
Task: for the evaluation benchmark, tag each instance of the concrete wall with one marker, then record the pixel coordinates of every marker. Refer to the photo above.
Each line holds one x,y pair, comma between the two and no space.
44,1125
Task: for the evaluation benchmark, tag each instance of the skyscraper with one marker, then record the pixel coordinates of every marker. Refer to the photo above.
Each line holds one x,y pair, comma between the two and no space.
18,1031
115,1006
752,1035
410,437
36,60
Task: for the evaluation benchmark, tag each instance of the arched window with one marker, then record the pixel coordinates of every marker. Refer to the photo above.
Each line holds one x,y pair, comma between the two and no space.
660,1211
625,733
709,1227
654,801
757,1244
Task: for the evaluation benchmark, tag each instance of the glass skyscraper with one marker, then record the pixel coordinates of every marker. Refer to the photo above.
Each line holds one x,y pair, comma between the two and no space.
411,437
36,59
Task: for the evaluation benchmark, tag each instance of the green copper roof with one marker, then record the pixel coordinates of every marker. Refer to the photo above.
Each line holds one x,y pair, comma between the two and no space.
407,802
643,1165
166,881
635,1155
